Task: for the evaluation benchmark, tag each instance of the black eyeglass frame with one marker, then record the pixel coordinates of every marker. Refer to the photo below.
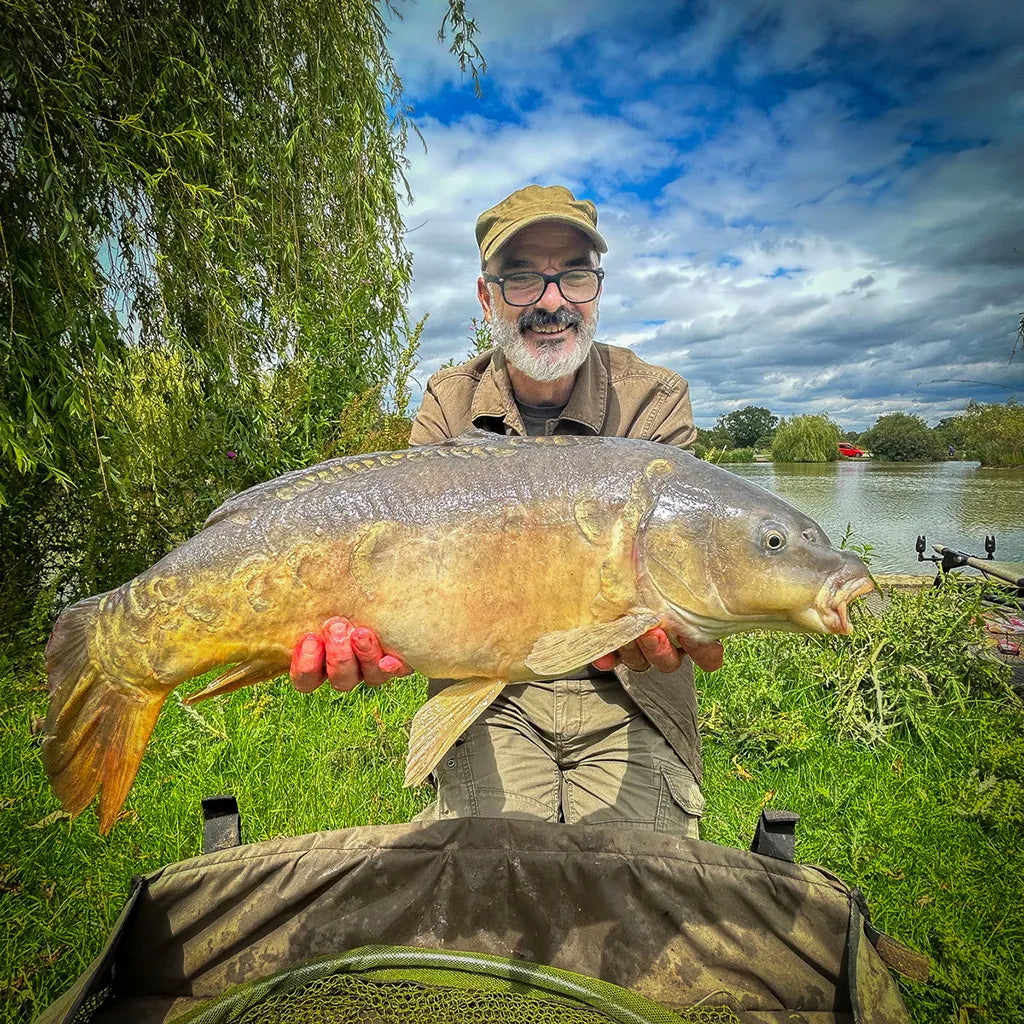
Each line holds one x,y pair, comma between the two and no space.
548,278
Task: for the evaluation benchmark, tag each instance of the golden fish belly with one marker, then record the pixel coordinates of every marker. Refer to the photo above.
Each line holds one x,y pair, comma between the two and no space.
455,599
470,598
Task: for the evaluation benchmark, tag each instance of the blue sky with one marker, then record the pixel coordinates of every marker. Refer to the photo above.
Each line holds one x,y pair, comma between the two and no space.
810,206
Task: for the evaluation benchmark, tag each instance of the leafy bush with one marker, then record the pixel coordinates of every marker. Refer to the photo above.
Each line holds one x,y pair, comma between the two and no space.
995,433
896,673
806,439
901,437
736,455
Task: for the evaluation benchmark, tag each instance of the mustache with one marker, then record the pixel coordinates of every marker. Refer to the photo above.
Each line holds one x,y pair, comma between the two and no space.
560,317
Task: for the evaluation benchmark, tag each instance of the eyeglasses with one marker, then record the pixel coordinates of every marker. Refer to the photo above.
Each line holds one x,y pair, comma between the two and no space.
524,288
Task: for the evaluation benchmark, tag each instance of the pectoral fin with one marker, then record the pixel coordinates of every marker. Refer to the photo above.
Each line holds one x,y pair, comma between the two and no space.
555,653
246,674
442,720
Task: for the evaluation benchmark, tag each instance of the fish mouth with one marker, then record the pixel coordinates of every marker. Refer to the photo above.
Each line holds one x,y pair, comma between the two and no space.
831,609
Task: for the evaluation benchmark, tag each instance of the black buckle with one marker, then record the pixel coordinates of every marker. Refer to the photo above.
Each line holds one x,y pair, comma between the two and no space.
222,824
775,835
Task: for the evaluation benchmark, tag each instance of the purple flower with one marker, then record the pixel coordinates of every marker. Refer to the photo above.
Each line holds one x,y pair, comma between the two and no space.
232,455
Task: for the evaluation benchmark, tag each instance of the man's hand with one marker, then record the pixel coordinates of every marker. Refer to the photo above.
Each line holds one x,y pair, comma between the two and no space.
344,655
655,650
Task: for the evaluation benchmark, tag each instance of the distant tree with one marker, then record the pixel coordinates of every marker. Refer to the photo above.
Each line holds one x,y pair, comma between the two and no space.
901,437
806,439
717,439
850,435
749,426
994,433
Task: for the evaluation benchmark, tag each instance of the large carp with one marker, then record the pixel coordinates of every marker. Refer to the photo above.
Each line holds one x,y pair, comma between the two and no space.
484,559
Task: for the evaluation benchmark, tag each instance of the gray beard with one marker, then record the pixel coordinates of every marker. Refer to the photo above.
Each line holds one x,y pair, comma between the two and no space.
551,362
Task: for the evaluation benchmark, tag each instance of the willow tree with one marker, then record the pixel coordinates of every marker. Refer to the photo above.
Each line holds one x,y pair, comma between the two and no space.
806,439
198,191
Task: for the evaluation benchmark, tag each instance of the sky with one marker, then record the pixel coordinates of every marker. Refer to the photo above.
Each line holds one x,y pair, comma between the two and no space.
815,206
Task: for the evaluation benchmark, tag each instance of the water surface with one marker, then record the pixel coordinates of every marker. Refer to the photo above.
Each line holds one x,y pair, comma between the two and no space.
889,503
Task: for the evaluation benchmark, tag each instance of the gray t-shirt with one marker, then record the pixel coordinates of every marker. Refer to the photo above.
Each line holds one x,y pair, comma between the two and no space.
536,417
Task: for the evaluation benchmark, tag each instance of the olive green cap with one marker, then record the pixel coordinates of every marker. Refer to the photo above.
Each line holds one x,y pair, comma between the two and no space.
494,227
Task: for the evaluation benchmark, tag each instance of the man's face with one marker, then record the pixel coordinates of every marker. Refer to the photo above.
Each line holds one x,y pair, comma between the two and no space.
551,338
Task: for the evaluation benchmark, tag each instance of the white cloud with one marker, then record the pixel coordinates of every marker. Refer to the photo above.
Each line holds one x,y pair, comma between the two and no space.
889,189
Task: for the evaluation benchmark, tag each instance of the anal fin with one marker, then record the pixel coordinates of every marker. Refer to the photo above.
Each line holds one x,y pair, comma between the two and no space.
442,720
568,649
248,673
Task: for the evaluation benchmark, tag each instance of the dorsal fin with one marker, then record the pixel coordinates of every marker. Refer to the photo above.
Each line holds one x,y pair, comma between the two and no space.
290,485
474,435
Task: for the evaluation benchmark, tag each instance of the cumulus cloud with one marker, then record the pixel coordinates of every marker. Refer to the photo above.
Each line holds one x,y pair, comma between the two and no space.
810,206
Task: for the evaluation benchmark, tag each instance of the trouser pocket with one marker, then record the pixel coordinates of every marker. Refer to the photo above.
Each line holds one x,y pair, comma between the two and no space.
680,801
453,776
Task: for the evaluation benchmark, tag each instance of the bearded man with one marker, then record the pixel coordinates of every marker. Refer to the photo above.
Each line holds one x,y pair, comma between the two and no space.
617,741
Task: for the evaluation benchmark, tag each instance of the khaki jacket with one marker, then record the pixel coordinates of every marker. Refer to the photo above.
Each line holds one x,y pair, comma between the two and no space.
616,394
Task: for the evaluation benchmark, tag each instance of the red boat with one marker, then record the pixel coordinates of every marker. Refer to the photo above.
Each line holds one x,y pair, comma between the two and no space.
851,451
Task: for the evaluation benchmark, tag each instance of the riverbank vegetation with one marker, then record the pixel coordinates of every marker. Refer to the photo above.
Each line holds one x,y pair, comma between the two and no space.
202,268
901,752
991,433
995,433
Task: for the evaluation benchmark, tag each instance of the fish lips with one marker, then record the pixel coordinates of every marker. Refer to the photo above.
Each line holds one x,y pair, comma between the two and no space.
830,611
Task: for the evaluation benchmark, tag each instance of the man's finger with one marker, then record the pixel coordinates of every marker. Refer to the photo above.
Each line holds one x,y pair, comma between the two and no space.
307,668
391,665
368,654
632,657
342,667
657,648
707,656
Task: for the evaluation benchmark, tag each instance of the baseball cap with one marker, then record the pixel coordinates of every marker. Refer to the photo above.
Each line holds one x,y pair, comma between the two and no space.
494,227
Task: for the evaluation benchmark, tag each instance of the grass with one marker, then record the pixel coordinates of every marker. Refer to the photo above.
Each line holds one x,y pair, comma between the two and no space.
902,753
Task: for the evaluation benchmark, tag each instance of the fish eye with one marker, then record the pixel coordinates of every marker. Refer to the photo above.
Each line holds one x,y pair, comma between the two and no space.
773,537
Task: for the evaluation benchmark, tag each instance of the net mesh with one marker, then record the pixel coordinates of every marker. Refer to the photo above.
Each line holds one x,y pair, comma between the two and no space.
382,985
355,1000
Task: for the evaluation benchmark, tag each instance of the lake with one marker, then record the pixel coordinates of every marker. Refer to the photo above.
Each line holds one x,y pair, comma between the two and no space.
889,503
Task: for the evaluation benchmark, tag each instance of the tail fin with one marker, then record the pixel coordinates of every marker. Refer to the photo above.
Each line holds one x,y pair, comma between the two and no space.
96,727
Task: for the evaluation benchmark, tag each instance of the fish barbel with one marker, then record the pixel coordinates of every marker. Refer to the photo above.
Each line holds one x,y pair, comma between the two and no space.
485,560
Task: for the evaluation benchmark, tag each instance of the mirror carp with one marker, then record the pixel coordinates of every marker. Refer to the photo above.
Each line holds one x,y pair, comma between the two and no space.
484,559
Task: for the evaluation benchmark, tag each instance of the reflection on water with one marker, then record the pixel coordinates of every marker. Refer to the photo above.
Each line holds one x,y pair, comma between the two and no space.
889,503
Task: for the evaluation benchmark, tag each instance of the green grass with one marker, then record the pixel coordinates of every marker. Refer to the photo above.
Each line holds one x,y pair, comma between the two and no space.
929,829
903,755
296,764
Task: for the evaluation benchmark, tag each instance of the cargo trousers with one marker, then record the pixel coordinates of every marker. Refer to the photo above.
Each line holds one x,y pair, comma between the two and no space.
578,751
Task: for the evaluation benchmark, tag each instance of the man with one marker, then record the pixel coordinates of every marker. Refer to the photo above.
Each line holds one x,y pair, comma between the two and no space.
617,743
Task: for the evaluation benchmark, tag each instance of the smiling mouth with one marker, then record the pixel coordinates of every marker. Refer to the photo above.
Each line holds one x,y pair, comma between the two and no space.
551,329
551,324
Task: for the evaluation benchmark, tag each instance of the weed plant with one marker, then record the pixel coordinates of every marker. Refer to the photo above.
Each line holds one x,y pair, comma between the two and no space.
901,748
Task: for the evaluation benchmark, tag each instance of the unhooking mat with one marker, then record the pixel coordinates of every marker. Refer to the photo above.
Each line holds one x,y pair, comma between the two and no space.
698,931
